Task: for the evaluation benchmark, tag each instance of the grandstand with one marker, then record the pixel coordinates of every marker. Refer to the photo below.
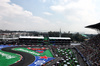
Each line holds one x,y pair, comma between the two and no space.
40,40
60,40
90,50
29,40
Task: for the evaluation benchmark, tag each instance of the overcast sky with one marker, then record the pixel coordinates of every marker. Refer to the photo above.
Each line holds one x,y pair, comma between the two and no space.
49,15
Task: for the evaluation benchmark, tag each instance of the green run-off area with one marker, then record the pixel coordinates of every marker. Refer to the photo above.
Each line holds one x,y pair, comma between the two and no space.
7,58
47,52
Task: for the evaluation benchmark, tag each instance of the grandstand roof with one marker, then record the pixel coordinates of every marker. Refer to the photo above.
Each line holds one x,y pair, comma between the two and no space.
9,38
59,38
94,26
37,37
41,37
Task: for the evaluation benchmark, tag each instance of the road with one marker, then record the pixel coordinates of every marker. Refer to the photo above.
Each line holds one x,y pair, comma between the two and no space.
26,60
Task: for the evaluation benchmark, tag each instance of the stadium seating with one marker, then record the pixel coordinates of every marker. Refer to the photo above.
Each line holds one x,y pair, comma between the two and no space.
91,50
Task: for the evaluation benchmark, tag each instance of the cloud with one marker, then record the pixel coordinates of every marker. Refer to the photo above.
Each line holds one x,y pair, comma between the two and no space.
78,13
58,8
70,15
43,1
81,10
14,17
47,13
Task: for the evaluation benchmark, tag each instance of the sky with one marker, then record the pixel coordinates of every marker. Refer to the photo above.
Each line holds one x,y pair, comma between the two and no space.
49,15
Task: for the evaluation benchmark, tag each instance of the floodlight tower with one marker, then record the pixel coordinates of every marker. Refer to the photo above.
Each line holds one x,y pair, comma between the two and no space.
60,33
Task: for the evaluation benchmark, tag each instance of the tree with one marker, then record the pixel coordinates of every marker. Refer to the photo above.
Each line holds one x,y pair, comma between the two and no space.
53,34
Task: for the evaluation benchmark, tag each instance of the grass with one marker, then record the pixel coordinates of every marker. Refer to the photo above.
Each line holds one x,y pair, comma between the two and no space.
7,58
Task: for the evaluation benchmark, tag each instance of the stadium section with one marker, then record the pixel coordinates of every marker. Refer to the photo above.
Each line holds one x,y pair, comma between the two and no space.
90,49
40,40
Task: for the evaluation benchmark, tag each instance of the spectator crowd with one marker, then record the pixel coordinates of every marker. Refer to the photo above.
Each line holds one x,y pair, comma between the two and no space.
91,50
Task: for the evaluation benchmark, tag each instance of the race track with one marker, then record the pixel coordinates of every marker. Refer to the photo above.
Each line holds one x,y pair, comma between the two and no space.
26,57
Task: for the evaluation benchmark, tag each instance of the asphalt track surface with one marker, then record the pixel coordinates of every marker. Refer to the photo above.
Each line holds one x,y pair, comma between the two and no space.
26,60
